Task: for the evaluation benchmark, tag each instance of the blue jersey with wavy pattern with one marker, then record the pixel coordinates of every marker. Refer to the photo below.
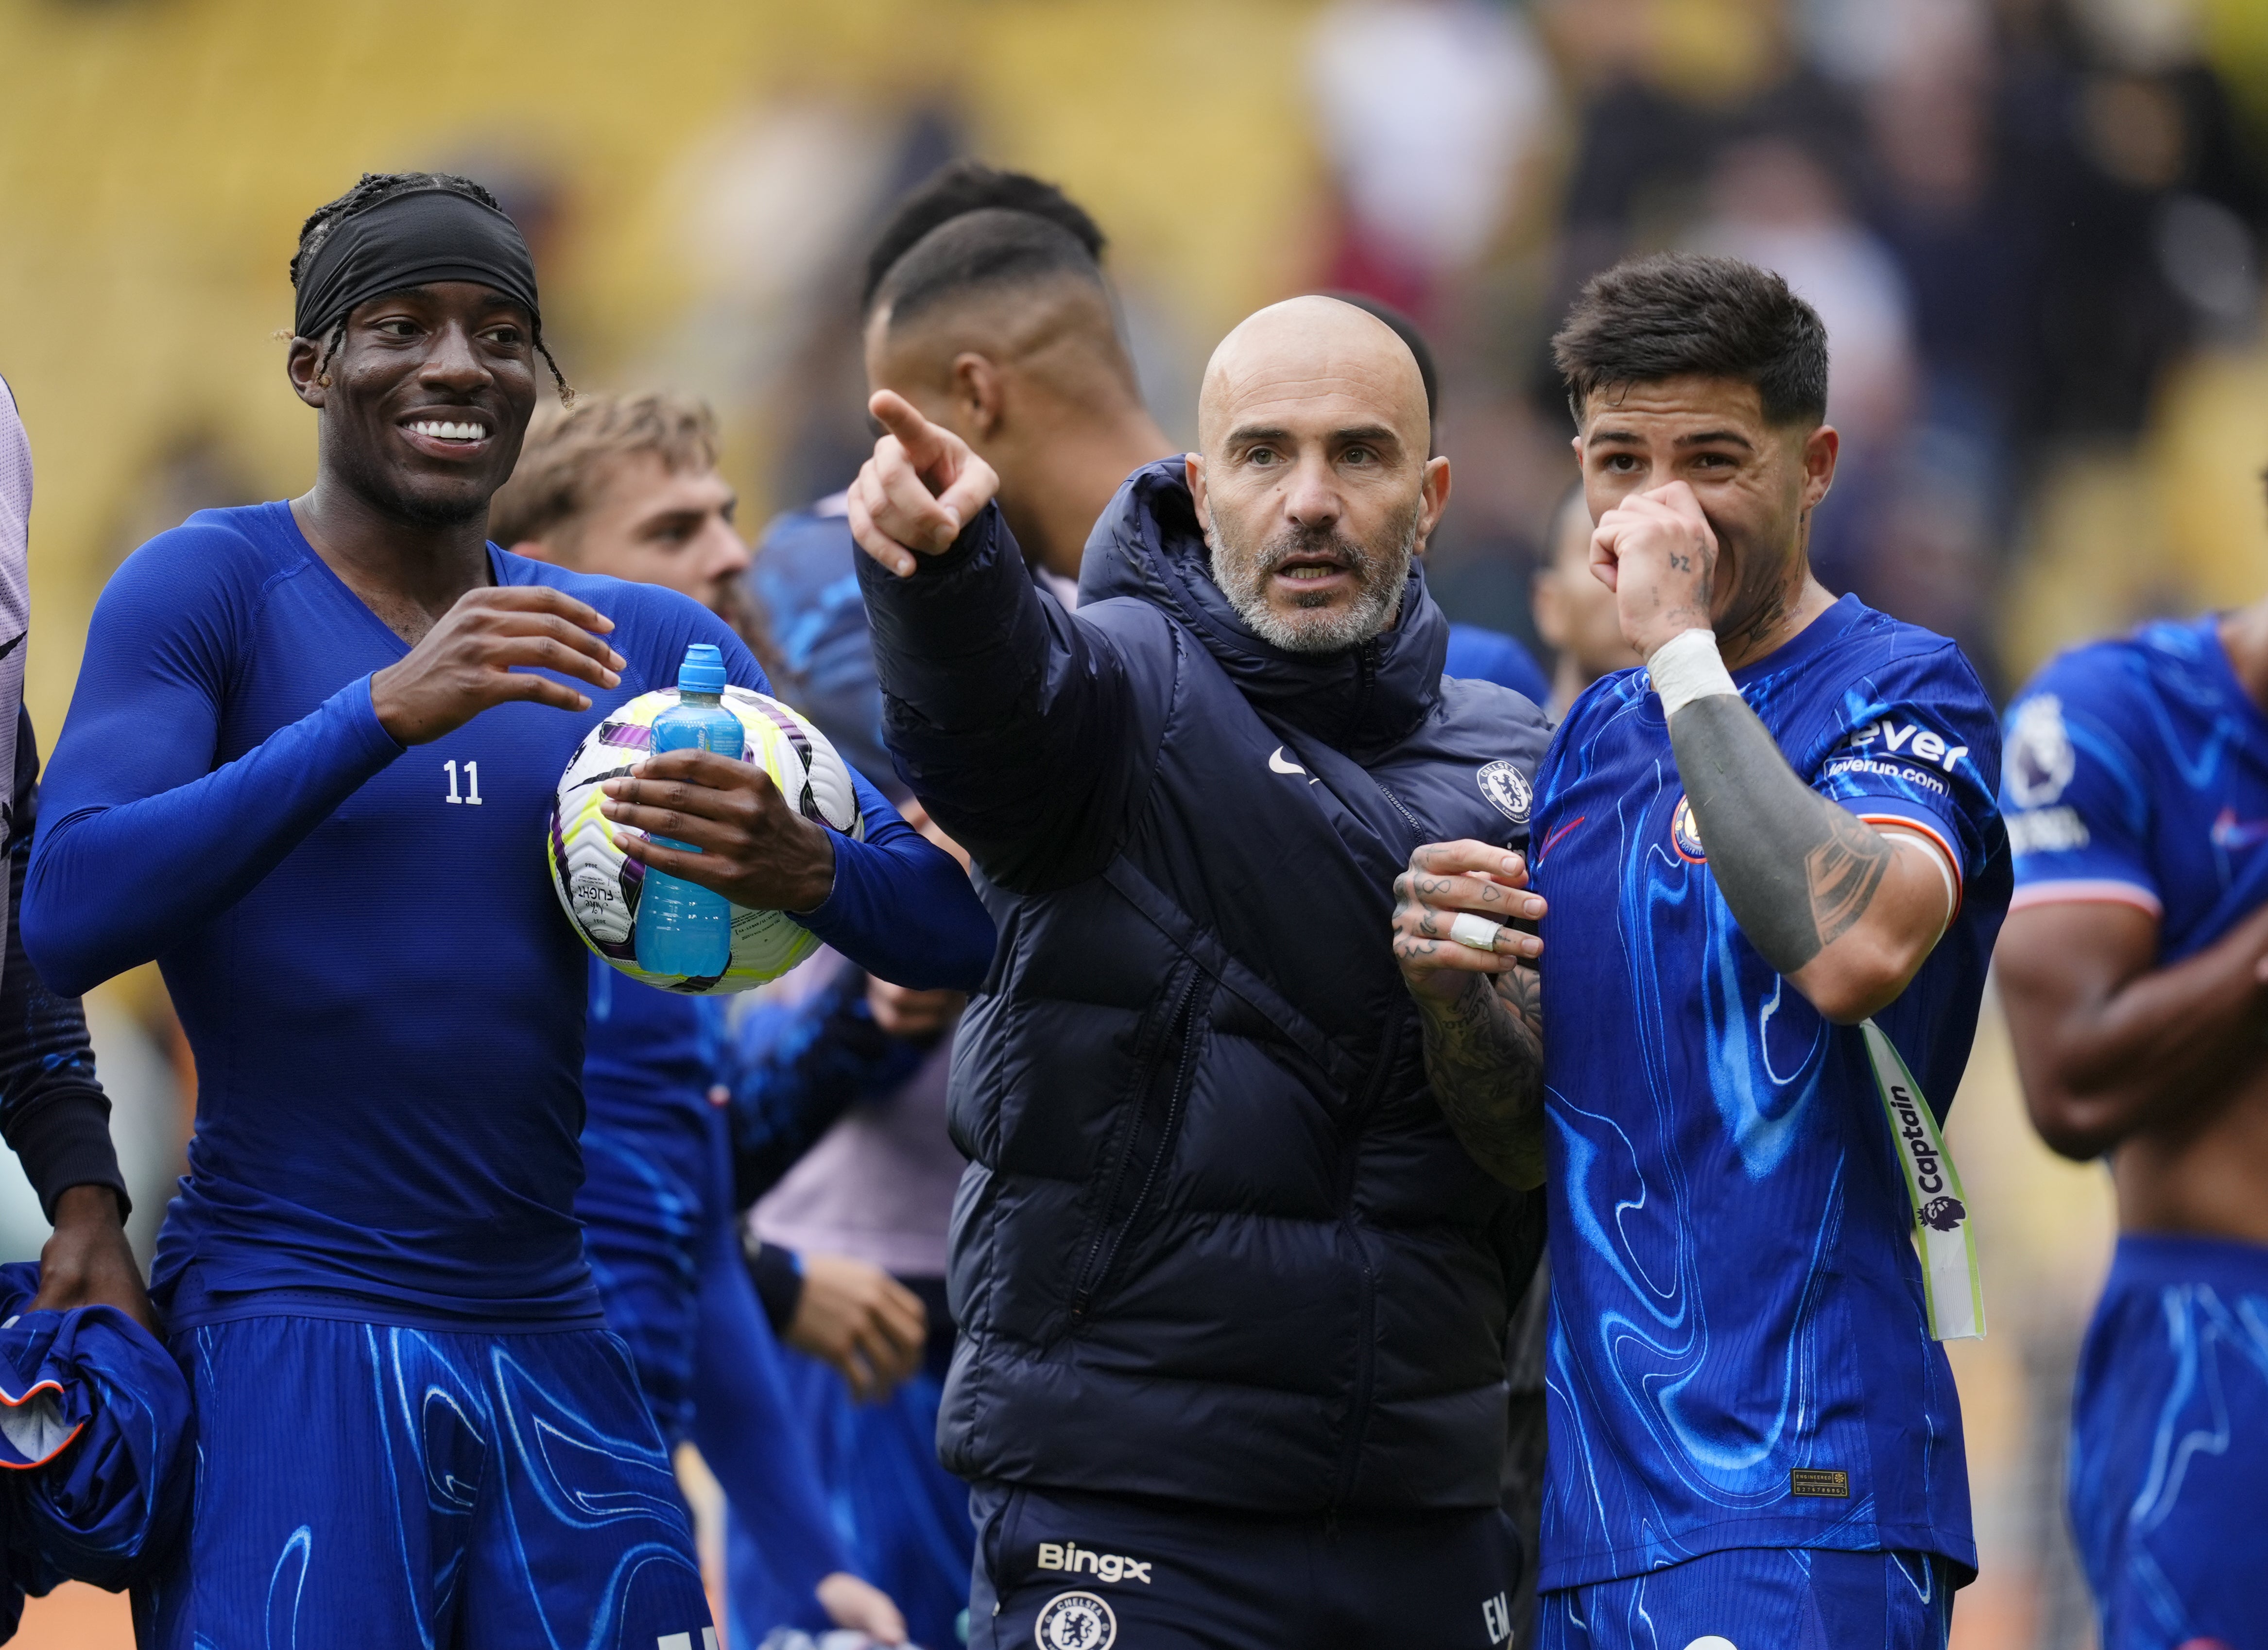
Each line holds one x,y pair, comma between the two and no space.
1739,1353
2138,774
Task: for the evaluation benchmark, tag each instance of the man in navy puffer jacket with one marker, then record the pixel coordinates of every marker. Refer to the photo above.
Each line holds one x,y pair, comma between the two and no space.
1232,1298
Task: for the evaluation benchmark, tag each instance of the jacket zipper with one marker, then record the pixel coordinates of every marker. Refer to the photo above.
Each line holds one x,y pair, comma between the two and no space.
1366,673
1417,828
1366,1350
1104,1250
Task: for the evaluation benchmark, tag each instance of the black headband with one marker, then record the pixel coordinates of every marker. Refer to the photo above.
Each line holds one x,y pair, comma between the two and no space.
427,235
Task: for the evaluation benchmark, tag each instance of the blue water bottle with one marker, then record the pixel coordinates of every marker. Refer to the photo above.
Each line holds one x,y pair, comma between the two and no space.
683,928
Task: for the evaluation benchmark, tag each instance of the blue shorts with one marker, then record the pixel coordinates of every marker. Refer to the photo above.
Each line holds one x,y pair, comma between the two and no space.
360,1484
2170,1445
1760,1598
1066,1571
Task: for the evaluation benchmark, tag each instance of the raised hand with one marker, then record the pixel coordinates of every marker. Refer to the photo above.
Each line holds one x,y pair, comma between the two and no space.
485,652
1445,880
918,490
1476,986
756,850
1656,551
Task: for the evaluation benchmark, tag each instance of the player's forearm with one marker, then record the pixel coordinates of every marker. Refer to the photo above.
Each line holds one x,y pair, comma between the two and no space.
1484,1060
1803,876
53,1113
901,908
113,883
2168,1045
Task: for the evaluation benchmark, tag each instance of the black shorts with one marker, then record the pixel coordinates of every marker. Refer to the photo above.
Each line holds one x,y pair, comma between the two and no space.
1060,1570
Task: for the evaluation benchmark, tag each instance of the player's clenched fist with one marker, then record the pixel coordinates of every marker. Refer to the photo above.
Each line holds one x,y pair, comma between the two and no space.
1657,552
918,490
485,652
1452,909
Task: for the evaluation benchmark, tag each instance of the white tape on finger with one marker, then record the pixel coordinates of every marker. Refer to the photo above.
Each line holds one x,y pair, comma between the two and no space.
1477,932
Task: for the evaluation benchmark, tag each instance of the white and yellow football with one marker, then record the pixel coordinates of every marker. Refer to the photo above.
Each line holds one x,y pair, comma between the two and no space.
598,885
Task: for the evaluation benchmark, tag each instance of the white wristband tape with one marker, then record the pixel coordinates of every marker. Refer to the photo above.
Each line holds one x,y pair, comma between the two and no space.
1687,668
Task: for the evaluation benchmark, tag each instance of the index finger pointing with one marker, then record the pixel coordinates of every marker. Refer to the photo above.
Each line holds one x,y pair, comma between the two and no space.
920,438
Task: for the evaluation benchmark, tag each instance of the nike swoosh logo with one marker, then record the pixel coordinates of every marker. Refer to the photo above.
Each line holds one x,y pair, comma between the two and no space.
1277,764
2229,831
1552,841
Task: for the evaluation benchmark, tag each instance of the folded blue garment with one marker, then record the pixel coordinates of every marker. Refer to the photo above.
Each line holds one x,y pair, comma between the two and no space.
96,1448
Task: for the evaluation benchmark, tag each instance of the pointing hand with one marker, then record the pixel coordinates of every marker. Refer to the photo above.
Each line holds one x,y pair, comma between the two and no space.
918,490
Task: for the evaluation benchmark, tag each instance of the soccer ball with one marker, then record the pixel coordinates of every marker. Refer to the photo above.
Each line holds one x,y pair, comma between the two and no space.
598,885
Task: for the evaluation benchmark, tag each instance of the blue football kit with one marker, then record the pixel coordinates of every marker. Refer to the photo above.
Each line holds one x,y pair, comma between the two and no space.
1763,1598
414,1424
1740,1357
664,1245
2137,775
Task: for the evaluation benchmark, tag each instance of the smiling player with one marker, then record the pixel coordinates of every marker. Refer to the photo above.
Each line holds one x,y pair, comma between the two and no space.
1783,826
308,769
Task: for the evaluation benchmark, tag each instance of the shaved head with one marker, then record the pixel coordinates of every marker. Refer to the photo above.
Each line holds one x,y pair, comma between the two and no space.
1313,481
997,324
1304,348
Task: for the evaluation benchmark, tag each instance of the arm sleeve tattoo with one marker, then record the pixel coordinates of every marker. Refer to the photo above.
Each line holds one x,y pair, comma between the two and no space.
1485,1059
1797,869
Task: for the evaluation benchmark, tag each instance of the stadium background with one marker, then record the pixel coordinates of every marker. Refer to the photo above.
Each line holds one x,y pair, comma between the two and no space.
2035,227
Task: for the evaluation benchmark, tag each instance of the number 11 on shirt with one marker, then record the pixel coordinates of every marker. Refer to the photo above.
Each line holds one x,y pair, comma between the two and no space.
472,782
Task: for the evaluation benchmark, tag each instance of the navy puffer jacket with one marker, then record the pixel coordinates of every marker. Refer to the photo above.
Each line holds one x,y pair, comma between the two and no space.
1216,1243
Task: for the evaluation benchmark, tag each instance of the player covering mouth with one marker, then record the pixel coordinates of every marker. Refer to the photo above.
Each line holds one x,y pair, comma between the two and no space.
1774,872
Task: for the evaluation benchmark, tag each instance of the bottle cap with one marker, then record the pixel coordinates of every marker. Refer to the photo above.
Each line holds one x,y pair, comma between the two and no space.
702,671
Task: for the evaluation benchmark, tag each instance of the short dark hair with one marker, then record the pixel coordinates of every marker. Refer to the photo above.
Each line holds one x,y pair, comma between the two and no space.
962,187
372,189
1681,313
994,247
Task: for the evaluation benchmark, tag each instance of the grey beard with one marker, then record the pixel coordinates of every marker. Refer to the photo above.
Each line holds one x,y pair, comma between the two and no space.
1243,579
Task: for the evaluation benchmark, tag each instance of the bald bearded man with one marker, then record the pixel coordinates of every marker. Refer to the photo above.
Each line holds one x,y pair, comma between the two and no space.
1232,1298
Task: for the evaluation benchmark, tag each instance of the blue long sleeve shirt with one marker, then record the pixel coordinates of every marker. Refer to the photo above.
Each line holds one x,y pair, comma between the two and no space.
385,1001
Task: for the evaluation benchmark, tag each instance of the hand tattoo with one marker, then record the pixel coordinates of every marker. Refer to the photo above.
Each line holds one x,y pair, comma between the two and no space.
1485,1059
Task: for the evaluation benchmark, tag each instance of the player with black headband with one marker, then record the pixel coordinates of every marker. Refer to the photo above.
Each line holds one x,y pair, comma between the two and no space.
412,1428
